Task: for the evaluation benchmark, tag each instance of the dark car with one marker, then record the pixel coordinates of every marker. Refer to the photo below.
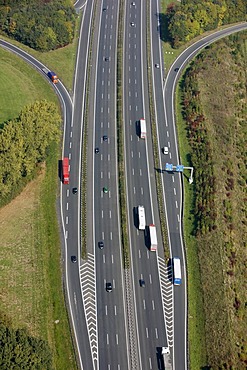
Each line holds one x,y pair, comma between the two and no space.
176,69
101,245
104,9
106,59
105,138
73,259
132,24
108,287
74,190
142,283
96,150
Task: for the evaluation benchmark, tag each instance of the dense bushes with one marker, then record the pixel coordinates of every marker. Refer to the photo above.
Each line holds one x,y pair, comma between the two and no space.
23,144
201,157
44,25
18,350
192,18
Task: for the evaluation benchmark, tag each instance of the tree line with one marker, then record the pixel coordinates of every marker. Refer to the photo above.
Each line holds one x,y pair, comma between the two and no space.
24,142
42,25
193,17
18,350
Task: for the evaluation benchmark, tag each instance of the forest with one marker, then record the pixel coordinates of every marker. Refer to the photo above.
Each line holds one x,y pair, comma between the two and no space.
44,25
192,17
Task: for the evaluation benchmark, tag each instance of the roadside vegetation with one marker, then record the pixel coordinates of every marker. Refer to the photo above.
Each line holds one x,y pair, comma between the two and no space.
212,134
44,25
32,307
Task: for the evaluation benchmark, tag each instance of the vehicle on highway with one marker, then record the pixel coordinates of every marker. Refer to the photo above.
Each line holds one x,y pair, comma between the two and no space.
153,238
143,128
176,69
65,169
107,59
165,150
105,138
176,270
96,150
141,217
101,245
157,65
132,24
104,9
73,259
105,189
133,3
142,283
108,287
53,77
74,190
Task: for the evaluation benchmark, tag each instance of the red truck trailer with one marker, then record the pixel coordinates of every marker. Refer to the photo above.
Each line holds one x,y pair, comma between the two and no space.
66,170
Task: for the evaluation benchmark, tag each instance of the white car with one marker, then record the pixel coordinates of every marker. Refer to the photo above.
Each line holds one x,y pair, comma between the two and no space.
157,65
165,150
133,4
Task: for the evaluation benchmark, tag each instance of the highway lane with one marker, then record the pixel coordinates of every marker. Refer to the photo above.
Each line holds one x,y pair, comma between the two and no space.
172,186
111,324
140,176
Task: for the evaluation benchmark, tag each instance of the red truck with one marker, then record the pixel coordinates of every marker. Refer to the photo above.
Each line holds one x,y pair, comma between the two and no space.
53,77
66,170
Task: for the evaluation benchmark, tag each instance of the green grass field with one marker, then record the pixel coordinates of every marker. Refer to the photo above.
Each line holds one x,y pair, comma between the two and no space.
30,253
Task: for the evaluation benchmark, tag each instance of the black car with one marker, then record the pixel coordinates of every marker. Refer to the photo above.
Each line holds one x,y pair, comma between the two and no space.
108,287
104,9
73,259
74,190
96,150
176,69
105,138
106,59
101,245
142,283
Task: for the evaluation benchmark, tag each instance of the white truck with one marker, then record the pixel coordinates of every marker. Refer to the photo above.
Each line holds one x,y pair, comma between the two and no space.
166,358
143,129
142,219
153,238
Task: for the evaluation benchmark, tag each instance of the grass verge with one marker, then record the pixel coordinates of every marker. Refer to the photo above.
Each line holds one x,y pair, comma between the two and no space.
31,289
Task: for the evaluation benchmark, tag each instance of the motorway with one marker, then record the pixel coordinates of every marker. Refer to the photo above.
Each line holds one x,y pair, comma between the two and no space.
106,345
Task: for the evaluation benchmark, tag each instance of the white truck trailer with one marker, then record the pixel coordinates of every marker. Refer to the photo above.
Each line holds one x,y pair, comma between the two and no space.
143,129
141,216
166,358
153,238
